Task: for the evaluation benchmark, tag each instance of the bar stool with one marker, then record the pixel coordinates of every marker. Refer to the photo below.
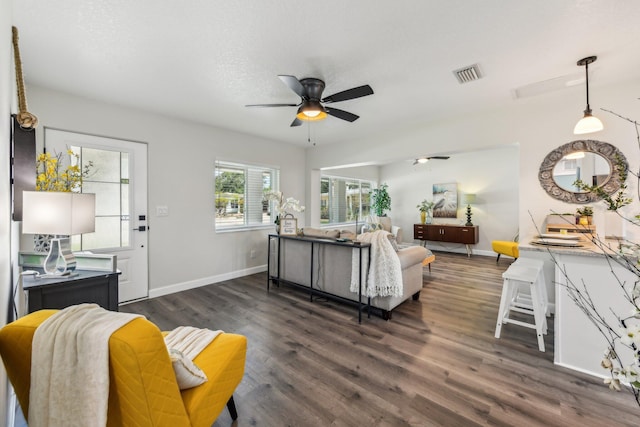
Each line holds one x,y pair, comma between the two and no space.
522,276
536,263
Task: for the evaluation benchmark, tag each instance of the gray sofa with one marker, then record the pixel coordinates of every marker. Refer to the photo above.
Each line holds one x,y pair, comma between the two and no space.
332,268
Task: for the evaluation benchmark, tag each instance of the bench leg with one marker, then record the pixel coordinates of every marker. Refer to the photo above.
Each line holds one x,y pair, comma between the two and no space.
231,406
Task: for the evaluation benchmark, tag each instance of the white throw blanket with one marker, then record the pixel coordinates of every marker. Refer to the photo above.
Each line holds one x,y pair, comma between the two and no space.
70,367
385,273
190,341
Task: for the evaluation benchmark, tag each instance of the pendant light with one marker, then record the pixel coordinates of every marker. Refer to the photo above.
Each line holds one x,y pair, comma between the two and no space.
588,123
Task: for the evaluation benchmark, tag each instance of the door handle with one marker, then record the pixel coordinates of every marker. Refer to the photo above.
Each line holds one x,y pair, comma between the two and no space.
141,228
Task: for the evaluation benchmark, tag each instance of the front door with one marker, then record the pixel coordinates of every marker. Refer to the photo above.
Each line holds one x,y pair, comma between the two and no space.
118,177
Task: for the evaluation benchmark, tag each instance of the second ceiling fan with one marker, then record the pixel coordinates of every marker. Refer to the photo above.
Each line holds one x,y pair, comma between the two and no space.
311,106
423,159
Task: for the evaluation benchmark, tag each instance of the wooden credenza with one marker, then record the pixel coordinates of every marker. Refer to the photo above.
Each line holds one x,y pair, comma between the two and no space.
466,235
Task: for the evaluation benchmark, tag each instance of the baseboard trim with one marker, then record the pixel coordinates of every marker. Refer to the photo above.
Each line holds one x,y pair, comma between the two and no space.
582,370
178,287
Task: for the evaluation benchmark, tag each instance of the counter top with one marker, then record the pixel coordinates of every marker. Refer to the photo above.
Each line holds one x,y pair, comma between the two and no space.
588,248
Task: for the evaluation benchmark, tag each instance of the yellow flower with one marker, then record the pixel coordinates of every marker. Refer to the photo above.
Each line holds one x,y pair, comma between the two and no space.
50,177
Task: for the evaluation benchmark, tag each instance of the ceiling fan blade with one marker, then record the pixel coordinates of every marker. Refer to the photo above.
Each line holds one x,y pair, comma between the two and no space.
345,95
439,157
294,84
296,122
271,105
341,114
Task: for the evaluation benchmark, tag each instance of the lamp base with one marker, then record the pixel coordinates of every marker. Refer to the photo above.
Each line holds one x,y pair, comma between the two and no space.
60,261
469,223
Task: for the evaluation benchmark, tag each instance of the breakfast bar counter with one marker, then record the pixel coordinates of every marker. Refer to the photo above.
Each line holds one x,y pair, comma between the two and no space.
578,343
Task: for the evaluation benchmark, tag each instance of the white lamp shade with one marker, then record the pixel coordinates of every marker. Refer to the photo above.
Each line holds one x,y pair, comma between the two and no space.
468,199
49,212
588,124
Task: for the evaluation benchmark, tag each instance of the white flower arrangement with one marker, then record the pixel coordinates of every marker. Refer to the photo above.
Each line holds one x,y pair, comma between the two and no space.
283,206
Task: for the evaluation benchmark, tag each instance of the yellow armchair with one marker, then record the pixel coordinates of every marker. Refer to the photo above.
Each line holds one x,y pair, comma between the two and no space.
508,248
143,390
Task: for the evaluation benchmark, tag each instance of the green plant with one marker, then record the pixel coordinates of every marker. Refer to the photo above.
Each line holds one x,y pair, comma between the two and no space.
425,206
380,200
585,211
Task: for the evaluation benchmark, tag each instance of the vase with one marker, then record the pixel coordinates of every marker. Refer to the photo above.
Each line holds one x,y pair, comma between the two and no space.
429,218
423,217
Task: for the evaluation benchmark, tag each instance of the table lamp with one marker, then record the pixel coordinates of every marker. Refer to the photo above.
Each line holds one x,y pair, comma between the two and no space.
468,199
61,214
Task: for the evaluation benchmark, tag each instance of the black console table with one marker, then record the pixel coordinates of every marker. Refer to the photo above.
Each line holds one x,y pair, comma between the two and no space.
319,241
97,287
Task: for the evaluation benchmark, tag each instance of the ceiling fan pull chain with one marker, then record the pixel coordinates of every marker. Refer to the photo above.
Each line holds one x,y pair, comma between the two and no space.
309,133
24,118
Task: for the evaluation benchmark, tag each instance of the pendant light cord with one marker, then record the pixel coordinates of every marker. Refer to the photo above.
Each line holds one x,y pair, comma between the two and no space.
586,71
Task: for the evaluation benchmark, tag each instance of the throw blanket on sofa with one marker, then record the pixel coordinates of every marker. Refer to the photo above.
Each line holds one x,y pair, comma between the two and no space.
70,367
190,341
385,273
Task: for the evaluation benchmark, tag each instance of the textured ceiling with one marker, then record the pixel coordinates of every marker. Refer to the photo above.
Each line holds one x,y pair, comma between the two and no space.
203,60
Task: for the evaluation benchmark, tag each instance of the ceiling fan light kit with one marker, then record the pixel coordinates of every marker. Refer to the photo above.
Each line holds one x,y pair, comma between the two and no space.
425,159
311,106
311,111
589,123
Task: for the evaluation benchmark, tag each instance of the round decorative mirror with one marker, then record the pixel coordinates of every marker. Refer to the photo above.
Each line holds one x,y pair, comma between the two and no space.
592,162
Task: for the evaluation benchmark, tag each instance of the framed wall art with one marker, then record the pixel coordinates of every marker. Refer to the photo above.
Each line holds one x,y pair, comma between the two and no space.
445,197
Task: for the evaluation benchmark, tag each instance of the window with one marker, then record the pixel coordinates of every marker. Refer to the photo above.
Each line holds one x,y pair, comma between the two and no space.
108,179
344,199
239,194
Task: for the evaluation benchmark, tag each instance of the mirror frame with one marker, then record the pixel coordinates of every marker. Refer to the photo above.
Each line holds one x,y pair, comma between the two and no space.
610,153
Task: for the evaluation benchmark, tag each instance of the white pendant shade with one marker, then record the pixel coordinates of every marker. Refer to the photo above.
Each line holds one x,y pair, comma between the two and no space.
588,124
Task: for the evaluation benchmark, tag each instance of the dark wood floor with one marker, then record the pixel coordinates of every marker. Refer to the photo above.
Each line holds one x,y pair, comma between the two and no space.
436,363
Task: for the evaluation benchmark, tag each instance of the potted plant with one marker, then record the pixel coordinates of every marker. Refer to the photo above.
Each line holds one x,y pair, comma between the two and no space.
586,215
425,209
380,200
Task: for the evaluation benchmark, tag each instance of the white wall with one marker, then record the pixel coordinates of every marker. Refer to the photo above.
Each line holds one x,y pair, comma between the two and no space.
184,249
538,125
6,89
489,174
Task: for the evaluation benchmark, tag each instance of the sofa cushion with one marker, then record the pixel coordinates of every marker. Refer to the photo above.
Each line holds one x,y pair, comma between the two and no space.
316,232
412,255
371,227
386,223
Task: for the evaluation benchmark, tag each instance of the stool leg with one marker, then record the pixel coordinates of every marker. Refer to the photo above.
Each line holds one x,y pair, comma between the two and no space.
538,315
504,305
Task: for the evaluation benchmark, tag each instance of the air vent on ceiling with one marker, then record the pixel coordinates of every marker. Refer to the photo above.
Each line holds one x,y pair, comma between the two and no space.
468,74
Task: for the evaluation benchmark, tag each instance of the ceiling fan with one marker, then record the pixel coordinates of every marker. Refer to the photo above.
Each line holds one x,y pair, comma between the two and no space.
311,106
425,159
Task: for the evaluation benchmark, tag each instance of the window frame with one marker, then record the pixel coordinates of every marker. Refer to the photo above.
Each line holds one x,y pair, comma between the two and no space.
248,206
